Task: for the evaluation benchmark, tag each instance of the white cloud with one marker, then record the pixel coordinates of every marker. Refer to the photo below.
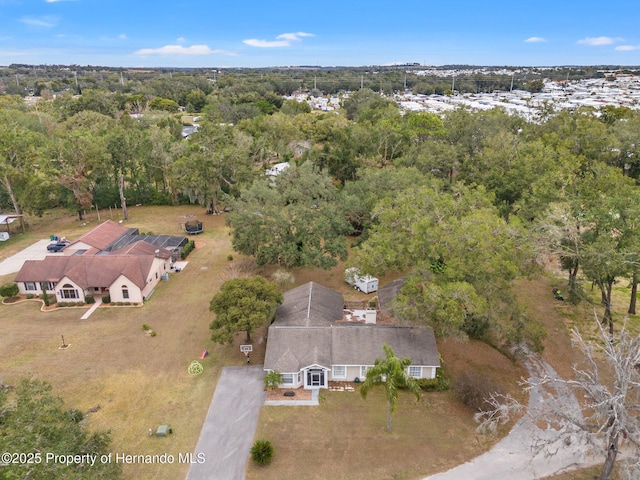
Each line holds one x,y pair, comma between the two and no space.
56,1
283,40
181,50
122,36
535,40
47,21
598,41
627,48
180,40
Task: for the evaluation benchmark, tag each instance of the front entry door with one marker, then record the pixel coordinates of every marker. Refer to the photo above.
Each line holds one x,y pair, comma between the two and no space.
315,378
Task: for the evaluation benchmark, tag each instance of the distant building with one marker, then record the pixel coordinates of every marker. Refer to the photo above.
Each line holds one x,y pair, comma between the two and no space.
277,169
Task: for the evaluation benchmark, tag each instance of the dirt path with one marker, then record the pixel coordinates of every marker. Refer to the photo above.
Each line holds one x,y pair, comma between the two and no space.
530,452
519,456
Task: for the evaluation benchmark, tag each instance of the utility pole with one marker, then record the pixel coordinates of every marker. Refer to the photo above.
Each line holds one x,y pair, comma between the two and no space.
511,89
405,81
121,79
453,85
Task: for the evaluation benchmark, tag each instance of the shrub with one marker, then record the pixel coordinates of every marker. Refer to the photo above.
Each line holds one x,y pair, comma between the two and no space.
47,299
89,299
283,278
230,258
186,250
145,327
153,333
439,384
30,295
474,389
9,290
262,451
272,380
106,299
75,415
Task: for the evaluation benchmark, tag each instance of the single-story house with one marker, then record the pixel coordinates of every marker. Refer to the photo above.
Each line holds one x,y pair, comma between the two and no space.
312,341
109,259
127,275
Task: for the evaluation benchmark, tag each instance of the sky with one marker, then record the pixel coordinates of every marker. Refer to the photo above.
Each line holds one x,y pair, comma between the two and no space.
267,33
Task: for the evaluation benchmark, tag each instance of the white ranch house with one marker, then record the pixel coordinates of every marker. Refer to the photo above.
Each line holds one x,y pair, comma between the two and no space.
314,340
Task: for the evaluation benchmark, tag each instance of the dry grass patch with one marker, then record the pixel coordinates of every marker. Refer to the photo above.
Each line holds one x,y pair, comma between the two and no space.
427,437
349,434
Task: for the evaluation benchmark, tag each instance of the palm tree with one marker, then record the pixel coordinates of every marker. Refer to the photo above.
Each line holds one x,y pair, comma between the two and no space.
272,379
391,372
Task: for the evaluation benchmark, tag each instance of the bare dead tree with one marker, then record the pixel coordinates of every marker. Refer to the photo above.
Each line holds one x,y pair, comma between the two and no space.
608,400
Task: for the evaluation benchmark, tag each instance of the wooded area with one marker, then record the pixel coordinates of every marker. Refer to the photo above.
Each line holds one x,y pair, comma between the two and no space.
465,202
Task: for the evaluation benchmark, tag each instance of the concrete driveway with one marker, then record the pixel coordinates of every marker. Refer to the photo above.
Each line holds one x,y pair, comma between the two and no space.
37,251
227,433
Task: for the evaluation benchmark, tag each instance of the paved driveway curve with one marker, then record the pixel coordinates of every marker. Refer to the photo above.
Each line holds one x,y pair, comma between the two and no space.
228,430
529,452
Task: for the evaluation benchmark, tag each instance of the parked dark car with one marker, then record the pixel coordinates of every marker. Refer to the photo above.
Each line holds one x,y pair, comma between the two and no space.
57,247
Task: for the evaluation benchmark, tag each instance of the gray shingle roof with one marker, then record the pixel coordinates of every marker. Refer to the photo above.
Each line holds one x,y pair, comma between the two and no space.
310,304
292,348
362,344
389,292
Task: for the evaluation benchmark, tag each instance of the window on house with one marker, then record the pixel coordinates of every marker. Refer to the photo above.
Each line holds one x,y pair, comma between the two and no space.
299,377
415,372
68,291
125,292
30,286
50,285
363,371
287,378
339,371
156,275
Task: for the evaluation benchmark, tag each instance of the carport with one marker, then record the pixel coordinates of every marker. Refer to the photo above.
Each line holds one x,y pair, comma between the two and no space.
6,219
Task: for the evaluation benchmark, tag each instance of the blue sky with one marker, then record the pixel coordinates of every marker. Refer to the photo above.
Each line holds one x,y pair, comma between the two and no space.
210,33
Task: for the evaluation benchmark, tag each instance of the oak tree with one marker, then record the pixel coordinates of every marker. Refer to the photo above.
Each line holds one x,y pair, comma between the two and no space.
242,305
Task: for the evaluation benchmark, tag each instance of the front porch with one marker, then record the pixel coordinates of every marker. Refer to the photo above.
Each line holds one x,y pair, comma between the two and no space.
314,377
